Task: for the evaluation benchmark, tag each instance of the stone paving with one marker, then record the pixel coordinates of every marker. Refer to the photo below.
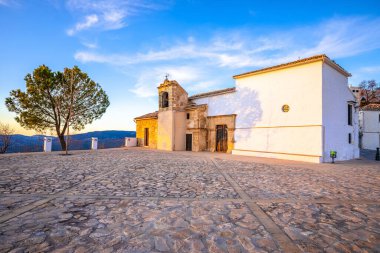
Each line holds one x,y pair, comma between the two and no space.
138,200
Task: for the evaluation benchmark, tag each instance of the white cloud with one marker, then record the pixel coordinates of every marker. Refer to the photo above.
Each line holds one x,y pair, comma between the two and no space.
371,69
89,22
197,63
111,14
149,79
90,45
8,2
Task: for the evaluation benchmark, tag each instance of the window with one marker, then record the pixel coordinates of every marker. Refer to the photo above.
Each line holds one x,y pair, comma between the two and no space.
363,101
187,115
349,115
349,138
164,99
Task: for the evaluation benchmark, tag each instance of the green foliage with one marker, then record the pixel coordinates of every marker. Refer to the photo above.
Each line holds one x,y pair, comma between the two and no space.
56,100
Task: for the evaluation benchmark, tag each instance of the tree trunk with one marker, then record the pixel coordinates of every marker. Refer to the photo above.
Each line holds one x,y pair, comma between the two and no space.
62,141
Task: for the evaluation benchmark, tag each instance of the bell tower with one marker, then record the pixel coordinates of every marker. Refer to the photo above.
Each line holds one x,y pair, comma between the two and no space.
171,116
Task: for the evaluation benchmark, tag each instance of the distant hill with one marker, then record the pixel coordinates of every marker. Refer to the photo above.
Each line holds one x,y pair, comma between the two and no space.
106,139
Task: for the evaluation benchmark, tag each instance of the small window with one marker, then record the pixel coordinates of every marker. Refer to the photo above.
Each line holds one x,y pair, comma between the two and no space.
349,115
187,115
349,138
363,101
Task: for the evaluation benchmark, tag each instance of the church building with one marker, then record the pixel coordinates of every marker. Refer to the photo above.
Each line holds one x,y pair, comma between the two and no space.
300,110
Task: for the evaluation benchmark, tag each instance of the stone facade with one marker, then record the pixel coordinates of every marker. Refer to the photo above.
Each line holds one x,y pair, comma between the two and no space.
299,110
178,117
152,125
196,125
171,116
177,96
213,122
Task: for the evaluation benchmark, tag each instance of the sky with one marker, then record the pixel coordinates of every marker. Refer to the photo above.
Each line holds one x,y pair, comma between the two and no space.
129,46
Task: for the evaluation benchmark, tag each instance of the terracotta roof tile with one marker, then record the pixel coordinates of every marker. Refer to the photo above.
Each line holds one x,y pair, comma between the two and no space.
321,57
213,93
371,107
152,115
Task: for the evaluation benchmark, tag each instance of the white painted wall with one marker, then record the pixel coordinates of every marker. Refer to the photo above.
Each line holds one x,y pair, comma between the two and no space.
130,142
316,123
262,128
336,95
370,127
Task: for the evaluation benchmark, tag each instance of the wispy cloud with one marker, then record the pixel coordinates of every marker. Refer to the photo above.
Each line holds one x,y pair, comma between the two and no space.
240,50
364,73
148,79
371,69
89,22
90,45
8,2
107,14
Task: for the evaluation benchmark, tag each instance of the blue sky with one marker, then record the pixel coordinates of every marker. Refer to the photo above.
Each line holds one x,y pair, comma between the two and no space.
129,46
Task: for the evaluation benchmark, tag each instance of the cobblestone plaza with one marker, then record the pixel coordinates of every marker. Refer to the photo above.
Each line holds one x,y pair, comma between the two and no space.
139,200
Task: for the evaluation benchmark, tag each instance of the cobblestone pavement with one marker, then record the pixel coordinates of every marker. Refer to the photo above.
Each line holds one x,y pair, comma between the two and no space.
138,200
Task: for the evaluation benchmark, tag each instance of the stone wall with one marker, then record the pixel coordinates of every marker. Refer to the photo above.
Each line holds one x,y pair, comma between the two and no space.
172,119
152,124
177,95
196,125
212,122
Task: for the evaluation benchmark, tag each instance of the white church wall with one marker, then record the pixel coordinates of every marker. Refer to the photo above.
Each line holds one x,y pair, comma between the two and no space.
296,134
370,127
262,128
371,141
217,105
336,96
299,87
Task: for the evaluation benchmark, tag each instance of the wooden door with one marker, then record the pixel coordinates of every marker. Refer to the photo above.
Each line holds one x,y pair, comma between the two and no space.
221,138
189,142
146,137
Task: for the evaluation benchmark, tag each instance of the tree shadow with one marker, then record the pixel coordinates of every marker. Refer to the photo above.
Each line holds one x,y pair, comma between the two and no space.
244,102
